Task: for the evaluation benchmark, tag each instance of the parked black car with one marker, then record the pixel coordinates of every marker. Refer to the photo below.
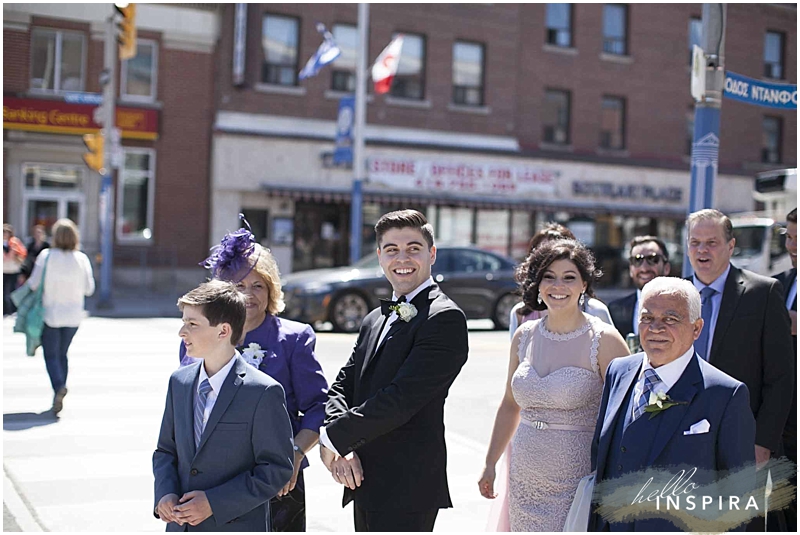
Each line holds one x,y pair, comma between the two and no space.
481,283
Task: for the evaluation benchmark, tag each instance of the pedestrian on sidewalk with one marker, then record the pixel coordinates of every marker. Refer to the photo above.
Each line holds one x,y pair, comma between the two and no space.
14,254
67,281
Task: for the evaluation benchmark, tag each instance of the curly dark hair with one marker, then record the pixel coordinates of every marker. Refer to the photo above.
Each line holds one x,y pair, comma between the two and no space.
529,274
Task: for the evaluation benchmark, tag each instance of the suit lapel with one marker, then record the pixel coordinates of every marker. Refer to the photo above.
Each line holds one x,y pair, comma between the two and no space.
374,335
616,404
227,392
669,420
734,288
422,302
187,400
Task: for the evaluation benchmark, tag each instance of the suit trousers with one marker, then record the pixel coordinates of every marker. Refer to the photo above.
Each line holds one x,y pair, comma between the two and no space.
393,520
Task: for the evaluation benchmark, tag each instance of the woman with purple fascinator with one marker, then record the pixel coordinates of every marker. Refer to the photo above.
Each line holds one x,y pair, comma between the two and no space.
282,349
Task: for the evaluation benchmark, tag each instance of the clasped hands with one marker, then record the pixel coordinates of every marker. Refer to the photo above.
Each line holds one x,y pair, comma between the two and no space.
192,508
345,470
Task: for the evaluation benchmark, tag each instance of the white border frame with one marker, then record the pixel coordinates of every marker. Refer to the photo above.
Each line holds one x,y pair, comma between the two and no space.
123,76
121,238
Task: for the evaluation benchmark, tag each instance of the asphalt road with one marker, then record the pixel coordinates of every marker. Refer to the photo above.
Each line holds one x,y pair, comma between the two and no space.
90,469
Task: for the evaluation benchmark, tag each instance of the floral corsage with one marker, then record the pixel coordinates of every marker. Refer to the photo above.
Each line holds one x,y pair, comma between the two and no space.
659,402
406,311
253,354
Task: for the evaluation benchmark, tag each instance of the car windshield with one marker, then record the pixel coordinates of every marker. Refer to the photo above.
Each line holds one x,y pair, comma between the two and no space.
749,241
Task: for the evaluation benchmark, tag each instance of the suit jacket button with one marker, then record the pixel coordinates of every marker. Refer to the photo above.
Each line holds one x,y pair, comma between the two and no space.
194,471
622,449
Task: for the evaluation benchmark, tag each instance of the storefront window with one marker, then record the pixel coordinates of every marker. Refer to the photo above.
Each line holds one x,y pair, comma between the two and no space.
57,60
135,196
455,226
321,236
51,177
492,231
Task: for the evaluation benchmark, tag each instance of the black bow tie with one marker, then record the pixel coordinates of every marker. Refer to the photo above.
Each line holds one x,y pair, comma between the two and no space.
387,304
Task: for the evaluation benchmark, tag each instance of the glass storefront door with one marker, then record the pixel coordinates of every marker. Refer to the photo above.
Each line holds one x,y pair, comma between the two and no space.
52,192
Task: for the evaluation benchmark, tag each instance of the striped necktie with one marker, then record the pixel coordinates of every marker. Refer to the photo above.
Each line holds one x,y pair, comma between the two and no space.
651,379
702,343
200,409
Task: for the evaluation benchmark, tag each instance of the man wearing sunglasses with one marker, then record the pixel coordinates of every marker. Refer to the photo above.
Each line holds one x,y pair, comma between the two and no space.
649,259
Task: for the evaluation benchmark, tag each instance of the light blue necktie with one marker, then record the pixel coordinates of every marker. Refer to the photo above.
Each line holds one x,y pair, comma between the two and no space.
702,342
200,409
651,379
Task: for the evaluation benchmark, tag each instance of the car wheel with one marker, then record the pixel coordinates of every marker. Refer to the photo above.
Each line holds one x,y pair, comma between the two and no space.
347,312
502,311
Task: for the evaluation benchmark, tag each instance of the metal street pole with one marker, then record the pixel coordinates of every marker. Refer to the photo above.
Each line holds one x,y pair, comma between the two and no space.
358,134
705,142
107,186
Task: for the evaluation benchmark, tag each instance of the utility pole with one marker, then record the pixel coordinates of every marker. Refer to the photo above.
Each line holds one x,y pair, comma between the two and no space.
356,202
705,142
109,80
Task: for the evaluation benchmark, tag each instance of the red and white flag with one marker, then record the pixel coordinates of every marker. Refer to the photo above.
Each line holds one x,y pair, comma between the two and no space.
385,66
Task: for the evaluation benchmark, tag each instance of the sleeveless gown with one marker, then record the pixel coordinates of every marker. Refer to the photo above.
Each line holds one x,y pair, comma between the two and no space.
557,382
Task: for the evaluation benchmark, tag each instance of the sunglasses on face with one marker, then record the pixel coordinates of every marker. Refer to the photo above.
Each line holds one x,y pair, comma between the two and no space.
652,259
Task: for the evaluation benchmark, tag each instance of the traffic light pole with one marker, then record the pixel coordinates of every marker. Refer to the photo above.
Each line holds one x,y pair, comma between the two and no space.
356,200
705,142
107,186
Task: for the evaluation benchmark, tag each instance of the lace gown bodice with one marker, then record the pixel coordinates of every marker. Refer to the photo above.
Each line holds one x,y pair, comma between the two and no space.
557,382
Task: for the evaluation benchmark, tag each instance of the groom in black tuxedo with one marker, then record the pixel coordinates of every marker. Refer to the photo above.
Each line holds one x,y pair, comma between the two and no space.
384,430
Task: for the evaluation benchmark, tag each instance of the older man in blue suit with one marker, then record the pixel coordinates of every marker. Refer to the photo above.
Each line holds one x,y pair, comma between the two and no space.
710,426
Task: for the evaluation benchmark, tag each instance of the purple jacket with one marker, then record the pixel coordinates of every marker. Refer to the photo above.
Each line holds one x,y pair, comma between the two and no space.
290,360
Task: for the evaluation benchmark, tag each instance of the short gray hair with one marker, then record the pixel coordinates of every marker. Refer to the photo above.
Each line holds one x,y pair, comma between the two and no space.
677,287
709,214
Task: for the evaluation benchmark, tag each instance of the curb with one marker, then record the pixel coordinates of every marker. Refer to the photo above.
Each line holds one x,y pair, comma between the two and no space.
19,508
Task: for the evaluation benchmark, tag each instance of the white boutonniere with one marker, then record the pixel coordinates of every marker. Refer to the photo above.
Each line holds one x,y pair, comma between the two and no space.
406,311
660,402
253,354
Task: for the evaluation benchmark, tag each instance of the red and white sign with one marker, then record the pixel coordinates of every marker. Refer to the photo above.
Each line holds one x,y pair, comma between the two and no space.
385,66
464,178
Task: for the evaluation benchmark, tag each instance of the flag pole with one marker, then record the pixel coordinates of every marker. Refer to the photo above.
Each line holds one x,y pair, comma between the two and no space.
358,134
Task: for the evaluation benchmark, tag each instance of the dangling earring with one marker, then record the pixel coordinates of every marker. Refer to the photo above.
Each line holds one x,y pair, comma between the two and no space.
580,301
539,299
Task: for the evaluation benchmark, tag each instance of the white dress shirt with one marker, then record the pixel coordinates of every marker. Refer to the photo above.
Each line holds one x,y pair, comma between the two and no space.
668,373
216,382
323,434
716,301
636,307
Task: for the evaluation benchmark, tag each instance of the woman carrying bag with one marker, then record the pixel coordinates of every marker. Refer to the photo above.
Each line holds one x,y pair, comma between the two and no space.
68,279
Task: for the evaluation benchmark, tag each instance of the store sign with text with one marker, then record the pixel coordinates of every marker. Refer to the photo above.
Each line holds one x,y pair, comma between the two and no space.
631,192
60,117
462,177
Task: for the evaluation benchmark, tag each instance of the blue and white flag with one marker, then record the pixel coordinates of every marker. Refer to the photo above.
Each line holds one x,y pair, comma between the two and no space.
327,52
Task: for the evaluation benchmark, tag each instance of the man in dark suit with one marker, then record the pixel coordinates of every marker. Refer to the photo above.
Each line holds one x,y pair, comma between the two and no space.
789,281
748,331
649,259
225,446
384,432
711,427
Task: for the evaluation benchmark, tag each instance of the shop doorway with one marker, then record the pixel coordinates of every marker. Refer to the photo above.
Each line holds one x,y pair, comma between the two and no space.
52,192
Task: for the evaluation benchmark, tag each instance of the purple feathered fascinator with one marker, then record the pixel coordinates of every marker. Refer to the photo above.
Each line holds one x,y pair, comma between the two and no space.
231,259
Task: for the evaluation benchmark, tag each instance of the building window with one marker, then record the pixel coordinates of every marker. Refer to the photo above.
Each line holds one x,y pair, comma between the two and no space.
135,195
279,41
57,60
612,123
555,116
467,73
695,35
344,67
410,79
773,55
558,18
771,140
615,29
139,74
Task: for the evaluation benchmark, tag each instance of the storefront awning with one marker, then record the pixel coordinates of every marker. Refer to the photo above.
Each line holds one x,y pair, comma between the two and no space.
342,196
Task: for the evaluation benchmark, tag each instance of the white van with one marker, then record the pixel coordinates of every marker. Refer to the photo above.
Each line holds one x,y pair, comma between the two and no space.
759,244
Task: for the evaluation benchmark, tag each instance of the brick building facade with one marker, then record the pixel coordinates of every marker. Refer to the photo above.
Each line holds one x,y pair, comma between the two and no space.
591,99
162,195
